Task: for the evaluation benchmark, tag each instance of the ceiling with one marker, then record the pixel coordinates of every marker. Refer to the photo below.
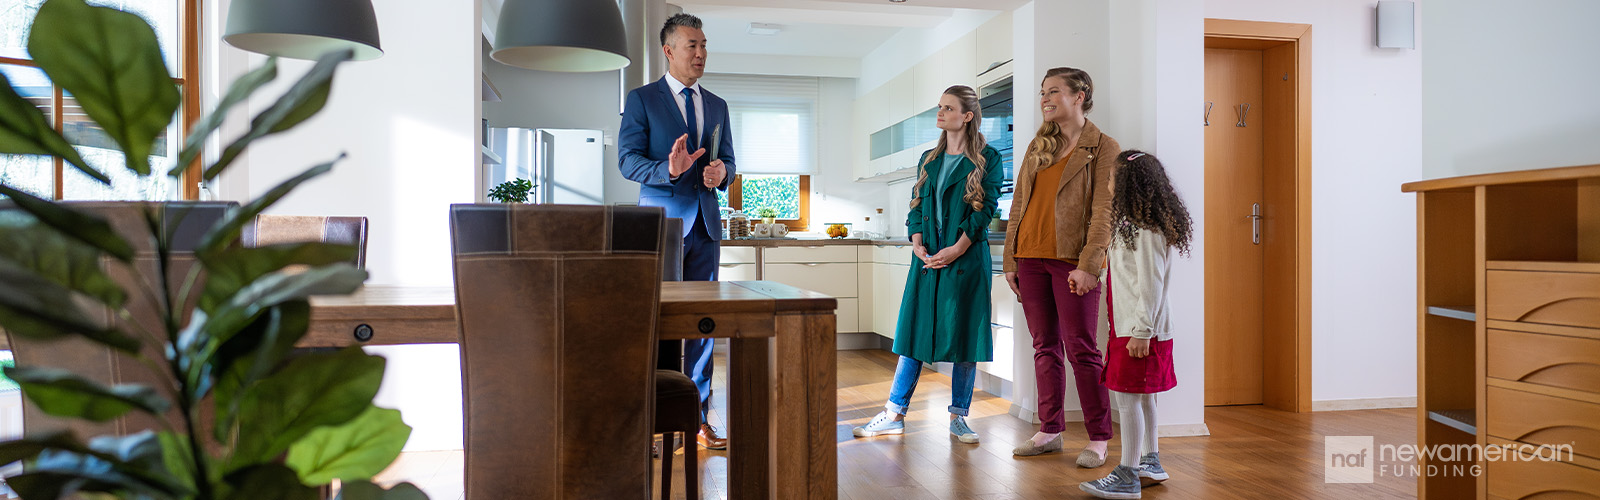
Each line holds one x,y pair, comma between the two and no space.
828,28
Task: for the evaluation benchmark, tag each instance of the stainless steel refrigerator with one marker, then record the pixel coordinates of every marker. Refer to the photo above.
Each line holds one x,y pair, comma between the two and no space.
566,166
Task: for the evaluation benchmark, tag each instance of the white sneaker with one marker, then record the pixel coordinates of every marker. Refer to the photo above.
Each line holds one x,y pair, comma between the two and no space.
959,429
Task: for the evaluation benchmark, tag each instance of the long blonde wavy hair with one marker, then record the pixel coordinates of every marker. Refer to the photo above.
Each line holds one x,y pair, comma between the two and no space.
1042,150
974,149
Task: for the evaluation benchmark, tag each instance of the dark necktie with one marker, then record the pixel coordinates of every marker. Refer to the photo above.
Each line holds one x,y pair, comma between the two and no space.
688,115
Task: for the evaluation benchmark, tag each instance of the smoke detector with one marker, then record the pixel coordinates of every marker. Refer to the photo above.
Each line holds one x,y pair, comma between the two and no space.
765,29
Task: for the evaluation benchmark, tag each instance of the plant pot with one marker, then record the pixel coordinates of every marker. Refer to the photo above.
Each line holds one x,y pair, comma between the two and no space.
766,220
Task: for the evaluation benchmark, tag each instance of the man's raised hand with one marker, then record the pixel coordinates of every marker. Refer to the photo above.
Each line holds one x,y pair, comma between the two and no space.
681,160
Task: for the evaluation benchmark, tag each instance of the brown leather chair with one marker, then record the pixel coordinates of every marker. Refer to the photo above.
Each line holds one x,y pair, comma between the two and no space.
677,398
558,307
185,223
277,229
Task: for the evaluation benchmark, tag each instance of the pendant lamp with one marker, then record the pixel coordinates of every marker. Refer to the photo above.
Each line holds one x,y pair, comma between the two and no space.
561,35
303,29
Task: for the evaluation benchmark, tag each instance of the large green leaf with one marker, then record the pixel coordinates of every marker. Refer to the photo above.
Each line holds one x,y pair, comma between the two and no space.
25,131
64,394
142,456
238,92
45,251
78,225
234,268
365,490
31,445
176,457
35,307
248,356
227,230
277,288
60,474
268,481
312,391
355,450
301,102
111,63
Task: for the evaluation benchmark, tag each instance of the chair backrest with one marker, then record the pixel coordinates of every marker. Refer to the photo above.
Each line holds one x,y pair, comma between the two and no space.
276,229
672,251
185,223
558,307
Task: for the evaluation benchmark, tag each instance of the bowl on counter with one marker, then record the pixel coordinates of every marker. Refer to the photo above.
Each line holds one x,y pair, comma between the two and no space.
838,230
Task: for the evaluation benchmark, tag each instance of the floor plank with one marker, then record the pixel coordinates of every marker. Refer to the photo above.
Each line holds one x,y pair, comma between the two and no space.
1253,452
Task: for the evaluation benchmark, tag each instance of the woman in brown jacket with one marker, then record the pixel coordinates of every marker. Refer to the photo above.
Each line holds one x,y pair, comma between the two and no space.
1055,249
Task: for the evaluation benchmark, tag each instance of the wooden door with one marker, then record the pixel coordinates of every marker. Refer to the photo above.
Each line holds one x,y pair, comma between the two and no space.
1233,250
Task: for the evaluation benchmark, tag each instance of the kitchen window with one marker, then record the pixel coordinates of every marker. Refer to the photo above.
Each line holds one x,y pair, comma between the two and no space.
774,128
175,24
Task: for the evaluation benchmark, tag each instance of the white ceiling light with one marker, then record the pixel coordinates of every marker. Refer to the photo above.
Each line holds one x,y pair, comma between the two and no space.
765,29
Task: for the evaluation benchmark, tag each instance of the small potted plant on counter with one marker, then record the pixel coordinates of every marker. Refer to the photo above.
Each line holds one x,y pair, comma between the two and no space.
767,214
513,191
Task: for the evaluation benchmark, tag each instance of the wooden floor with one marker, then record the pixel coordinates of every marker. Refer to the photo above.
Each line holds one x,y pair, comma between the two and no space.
1253,452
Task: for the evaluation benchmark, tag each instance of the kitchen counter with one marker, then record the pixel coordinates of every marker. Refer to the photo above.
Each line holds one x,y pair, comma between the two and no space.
817,242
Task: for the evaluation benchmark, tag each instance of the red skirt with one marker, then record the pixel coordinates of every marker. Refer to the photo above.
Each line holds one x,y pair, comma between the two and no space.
1147,375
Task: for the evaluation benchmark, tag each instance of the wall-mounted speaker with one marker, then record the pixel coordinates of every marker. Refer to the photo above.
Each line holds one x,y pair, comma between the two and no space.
1396,22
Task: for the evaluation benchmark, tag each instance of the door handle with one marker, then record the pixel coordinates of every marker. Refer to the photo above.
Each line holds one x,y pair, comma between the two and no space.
1255,223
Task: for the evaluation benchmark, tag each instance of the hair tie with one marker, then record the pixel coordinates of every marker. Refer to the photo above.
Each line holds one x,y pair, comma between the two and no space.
1134,156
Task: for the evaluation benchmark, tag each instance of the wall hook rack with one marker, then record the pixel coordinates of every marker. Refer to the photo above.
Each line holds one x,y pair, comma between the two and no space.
1208,113
1243,110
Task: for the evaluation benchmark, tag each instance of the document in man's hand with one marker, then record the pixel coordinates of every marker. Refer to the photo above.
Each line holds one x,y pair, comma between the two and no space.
716,140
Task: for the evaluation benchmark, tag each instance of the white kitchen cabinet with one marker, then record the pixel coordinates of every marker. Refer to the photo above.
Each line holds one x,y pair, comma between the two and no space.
830,278
847,316
865,299
738,255
738,272
810,254
928,81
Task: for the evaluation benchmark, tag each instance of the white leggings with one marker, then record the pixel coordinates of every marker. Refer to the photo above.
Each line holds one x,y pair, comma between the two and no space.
1138,412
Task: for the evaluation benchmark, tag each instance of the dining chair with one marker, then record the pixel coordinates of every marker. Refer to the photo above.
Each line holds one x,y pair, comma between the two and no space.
677,399
278,229
557,306
184,224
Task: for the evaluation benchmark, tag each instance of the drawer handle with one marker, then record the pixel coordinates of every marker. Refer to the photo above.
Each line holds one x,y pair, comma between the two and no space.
363,332
814,246
811,264
731,265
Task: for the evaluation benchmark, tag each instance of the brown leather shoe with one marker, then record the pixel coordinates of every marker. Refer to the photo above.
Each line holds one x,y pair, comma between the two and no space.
709,439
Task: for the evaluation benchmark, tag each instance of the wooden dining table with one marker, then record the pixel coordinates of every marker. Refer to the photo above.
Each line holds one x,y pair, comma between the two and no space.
781,363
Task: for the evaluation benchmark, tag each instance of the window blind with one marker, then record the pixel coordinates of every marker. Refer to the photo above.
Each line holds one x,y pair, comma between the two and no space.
774,121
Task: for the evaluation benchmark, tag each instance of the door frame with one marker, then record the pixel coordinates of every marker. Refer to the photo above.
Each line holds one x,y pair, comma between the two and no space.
1288,386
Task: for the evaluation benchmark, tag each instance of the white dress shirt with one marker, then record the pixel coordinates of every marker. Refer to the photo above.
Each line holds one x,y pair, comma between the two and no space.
699,107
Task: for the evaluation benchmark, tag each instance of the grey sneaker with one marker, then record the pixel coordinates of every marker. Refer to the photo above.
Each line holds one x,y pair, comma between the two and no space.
880,425
1150,467
1123,483
959,429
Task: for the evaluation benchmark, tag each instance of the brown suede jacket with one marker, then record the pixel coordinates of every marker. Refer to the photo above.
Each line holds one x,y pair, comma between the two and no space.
1083,202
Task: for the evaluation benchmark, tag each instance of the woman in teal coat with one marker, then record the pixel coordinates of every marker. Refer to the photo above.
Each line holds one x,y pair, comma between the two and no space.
944,316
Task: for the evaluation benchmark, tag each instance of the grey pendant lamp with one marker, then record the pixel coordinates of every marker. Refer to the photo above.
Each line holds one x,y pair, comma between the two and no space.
561,35
303,29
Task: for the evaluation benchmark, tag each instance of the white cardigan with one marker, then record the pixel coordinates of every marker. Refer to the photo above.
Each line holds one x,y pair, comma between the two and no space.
1139,286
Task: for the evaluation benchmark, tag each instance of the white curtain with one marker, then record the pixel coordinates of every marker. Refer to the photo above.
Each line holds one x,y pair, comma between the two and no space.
774,121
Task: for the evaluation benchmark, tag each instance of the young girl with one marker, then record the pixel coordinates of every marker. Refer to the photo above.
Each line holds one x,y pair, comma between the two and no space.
944,316
1149,221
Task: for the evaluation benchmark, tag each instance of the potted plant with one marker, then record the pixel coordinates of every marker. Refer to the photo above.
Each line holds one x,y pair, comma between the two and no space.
239,417
767,214
512,191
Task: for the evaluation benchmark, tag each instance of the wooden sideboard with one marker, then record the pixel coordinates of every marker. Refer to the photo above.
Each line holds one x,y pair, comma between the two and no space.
1508,331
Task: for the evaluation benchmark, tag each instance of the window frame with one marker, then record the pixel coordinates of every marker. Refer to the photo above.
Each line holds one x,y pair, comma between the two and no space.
188,79
736,202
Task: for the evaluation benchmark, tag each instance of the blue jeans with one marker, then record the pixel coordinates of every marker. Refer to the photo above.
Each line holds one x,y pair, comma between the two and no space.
905,383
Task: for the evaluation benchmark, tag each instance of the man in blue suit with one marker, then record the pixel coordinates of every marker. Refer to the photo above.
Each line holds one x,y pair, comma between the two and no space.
662,146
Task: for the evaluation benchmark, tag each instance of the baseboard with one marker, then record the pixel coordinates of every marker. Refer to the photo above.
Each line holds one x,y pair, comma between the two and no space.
856,341
1363,404
1032,417
885,343
1182,430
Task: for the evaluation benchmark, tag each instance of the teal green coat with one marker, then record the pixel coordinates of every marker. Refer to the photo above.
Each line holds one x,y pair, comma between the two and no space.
944,316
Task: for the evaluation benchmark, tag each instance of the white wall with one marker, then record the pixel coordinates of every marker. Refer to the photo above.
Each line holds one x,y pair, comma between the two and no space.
835,195
409,122
1366,141
1509,88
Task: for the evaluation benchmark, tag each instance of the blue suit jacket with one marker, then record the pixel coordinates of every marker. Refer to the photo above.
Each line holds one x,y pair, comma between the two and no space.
651,122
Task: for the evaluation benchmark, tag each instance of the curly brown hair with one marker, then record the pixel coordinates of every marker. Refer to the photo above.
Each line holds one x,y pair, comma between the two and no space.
1145,199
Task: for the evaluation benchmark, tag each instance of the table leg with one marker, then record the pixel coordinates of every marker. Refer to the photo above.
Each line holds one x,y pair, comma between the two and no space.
749,428
806,406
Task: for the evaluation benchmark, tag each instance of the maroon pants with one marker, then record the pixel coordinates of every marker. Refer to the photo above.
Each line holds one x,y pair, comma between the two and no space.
1063,323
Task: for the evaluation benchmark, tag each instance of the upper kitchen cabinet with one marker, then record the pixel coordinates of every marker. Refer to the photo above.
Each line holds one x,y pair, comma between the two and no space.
991,45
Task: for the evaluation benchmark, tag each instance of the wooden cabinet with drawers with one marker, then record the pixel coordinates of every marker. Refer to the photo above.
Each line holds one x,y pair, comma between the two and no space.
1508,330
